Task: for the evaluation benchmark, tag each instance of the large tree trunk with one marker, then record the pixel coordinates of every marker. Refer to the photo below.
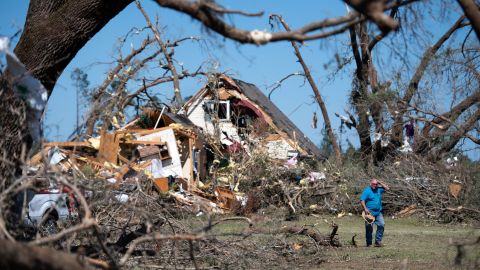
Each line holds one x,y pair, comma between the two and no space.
360,93
13,133
472,11
55,30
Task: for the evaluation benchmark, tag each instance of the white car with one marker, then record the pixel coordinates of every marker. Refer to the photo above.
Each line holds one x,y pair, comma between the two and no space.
48,206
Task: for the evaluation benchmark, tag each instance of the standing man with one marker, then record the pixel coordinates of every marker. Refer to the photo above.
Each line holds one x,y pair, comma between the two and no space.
371,200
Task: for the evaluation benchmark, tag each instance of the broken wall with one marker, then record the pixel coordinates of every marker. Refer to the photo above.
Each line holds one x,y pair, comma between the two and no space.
204,120
165,166
277,147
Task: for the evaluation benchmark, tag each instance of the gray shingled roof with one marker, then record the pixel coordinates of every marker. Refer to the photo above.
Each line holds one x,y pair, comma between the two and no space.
278,117
180,119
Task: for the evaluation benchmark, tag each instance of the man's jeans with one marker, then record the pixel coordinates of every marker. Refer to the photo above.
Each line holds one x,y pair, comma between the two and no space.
380,227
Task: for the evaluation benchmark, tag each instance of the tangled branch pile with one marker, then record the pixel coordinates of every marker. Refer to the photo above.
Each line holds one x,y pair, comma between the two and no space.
445,192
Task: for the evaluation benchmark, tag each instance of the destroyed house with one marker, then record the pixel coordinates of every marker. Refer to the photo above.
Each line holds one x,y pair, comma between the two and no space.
179,151
158,143
234,111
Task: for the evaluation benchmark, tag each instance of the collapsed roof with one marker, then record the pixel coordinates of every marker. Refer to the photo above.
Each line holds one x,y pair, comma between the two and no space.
279,121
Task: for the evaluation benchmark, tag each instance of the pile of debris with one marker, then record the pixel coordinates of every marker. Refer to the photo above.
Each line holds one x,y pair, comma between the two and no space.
418,187
163,155
199,155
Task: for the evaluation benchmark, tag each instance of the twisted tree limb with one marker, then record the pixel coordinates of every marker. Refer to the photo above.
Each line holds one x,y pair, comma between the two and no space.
323,108
415,80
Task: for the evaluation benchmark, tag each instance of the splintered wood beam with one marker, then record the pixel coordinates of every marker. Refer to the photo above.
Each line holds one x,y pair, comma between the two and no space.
68,144
185,132
109,145
141,131
137,142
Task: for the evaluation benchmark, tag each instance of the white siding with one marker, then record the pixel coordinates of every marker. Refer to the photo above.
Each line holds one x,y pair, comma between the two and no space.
167,136
278,149
200,118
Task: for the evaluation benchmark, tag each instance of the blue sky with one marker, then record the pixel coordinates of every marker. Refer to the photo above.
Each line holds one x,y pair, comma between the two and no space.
261,65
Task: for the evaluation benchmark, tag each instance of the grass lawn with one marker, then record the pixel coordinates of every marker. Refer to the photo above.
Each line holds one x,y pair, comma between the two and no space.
409,244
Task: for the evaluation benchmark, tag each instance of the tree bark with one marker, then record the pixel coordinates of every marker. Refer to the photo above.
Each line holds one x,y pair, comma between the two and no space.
472,11
13,133
19,256
56,30
360,92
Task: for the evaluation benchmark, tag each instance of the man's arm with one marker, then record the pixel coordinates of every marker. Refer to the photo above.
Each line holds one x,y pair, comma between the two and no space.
385,186
365,207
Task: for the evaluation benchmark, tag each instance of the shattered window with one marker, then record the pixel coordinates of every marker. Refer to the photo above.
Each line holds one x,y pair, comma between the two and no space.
222,109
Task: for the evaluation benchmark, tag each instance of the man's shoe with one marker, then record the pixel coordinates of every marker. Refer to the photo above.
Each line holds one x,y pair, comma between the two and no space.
369,245
378,244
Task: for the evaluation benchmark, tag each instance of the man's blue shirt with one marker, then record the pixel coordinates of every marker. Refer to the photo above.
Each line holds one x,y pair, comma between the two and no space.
373,199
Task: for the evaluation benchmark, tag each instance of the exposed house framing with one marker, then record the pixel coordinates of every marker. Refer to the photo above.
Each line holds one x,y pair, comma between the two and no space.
215,108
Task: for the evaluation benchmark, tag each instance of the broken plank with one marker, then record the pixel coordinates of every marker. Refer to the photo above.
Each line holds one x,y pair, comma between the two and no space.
142,131
68,144
161,184
109,145
38,157
137,142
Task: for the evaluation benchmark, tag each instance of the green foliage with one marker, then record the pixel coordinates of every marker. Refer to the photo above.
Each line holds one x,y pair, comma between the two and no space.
81,81
145,121
325,145
351,155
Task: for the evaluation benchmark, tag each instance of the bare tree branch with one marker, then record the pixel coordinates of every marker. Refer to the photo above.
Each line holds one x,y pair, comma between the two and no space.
167,55
383,34
155,82
453,114
419,72
328,126
472,12
459,134
279,83
208,17
373,9
101,90
221,10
